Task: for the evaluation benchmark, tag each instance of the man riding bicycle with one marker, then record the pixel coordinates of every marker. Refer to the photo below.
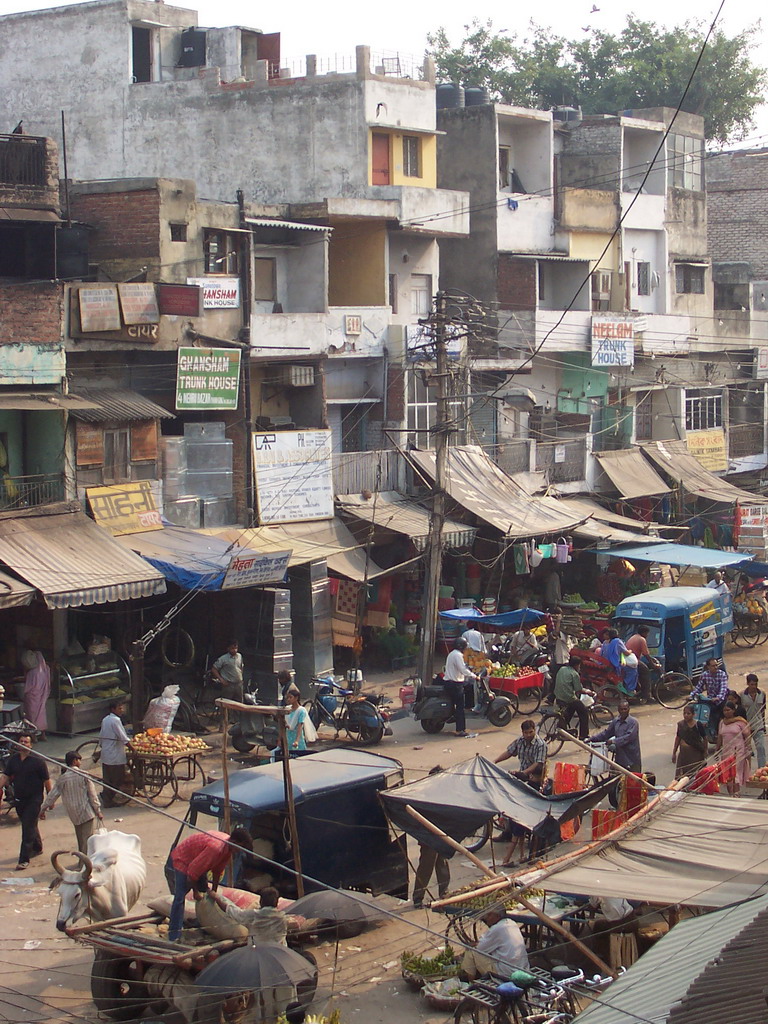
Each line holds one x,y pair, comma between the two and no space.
568,691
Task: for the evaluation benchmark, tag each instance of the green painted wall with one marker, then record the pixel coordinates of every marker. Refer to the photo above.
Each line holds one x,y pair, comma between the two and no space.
41,434
584,383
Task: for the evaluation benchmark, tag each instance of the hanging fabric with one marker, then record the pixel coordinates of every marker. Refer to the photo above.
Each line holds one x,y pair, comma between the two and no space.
520,557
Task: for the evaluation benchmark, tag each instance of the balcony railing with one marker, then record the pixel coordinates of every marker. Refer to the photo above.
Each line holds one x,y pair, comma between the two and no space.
382,470
562,461
22,160
745,439
27,491
513,456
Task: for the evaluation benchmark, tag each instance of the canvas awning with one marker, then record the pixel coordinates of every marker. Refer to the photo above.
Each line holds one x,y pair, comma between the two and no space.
631,474
477,484
666,553
43,401
699,851
674,459
14,593
72,561
191,559
595,531
461,799
392,511
589,507
309,542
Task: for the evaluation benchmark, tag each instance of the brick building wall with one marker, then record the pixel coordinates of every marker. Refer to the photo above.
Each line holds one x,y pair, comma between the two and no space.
31,314
737,207
126,224
516,282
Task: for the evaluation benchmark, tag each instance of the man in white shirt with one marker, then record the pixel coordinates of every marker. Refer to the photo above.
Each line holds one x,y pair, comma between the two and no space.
524,646
500,951
114,740
719,584
228,671
475,640
455,675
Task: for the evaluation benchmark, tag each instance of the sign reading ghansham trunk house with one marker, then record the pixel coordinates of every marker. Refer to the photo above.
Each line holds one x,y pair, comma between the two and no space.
207,378
613,341
218,292
293,475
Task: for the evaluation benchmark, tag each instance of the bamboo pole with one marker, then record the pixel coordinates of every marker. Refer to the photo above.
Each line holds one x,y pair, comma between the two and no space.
85,929
483,890
290,804
225,767
555,926
612,764
452,842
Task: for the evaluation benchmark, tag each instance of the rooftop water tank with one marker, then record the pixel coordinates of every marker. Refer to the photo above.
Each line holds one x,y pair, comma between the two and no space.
475,96
449,96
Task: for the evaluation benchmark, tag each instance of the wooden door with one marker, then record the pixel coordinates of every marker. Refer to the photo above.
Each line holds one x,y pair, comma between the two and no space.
380,159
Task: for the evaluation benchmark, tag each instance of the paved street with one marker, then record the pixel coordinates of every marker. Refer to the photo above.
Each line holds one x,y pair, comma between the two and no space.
33,992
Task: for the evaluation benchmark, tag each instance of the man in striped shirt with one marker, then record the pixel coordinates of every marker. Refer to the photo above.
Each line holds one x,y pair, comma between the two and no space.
80,799
716,681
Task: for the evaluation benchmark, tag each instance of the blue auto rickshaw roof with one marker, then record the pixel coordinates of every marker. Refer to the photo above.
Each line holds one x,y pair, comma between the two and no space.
672,599
261,789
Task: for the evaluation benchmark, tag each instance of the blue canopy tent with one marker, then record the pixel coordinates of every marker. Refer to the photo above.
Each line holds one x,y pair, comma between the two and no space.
504,620
678,554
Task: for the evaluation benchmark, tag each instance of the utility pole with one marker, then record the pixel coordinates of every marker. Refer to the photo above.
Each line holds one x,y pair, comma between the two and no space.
434,552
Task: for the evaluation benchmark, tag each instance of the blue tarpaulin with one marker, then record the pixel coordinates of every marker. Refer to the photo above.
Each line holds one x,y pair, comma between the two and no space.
677,554
192,560
504,620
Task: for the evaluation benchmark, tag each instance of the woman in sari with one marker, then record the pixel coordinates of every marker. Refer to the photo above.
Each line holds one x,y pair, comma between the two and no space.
615,650
690,749
298,724
735,749
37,687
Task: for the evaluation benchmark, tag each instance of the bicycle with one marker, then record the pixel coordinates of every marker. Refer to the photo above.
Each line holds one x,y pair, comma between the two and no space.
358,717
532,996
553,720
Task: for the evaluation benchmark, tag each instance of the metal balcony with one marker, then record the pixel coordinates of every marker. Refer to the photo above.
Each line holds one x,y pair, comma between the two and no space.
27,491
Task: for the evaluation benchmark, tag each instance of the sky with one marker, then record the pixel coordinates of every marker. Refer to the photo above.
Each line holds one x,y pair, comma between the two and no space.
402,25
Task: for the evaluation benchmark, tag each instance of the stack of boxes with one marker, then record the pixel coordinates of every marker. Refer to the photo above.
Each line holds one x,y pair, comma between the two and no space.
197,471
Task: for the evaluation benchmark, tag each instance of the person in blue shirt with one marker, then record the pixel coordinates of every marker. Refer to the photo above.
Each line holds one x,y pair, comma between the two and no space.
624,735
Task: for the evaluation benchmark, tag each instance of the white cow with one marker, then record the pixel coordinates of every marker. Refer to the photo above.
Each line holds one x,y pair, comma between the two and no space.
107,883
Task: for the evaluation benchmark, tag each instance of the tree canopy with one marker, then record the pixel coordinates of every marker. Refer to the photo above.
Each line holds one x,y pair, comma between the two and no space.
644,65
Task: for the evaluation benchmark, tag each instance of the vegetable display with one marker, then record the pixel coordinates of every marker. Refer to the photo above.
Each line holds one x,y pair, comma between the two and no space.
445,963
166,744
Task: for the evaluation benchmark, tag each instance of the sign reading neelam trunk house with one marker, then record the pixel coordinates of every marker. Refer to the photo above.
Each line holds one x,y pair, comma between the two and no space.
207,378
613,341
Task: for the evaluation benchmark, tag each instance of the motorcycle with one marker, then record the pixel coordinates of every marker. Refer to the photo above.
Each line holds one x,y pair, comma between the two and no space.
433,709
364,716
251,730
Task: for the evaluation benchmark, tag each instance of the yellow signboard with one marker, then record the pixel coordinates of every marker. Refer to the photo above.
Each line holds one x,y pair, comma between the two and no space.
125,508
708,447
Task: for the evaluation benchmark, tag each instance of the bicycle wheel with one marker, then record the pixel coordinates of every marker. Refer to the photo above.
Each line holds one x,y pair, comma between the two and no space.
601,714
469,1011
549,727
209,713
479,837
187,786
177,647
529,700
609,695
158,783
673,690
90,752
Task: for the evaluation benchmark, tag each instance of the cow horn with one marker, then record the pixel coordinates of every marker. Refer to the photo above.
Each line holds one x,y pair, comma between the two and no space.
85,861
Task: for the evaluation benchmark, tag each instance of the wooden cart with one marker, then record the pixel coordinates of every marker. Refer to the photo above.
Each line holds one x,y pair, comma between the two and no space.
157,777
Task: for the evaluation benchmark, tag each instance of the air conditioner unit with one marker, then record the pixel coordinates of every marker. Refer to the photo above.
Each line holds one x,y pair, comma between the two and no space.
296,376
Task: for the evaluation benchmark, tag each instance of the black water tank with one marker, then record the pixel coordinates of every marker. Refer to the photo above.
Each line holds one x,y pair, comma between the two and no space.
475,96
449,96
192,48
72,251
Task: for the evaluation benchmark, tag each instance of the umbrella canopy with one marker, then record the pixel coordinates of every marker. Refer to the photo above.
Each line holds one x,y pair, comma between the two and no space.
265,966
332,905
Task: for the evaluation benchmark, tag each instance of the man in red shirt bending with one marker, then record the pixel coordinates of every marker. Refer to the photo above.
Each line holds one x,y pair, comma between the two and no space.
638,644
194,858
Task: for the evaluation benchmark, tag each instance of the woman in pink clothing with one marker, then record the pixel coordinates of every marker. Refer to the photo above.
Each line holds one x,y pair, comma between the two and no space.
734,749
37,687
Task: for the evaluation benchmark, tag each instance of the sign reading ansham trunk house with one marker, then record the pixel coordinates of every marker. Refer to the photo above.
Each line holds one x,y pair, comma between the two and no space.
207,378
218,292
613,341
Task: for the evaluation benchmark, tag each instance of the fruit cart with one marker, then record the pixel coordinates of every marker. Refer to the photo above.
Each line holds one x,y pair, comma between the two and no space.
158,763
527,685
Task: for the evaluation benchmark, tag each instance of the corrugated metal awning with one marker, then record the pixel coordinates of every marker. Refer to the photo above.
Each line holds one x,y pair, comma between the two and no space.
265,222
118,404
392,511
477,484
309,542
71,560
33,401
675,459
551,257
631,474
18,213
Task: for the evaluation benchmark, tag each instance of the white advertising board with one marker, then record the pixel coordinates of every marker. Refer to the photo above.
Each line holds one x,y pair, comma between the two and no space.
294,481
249,569
218,292
613,341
